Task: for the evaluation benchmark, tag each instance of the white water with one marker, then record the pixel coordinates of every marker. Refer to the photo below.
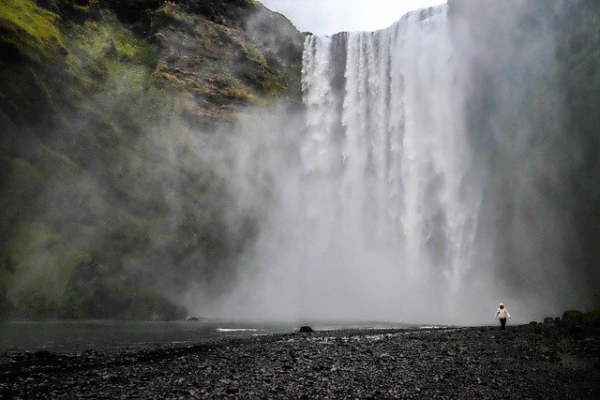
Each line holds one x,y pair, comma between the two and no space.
375,220
387,206
384,162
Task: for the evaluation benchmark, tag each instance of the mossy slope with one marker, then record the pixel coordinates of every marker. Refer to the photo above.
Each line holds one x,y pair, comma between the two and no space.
108,209
28,31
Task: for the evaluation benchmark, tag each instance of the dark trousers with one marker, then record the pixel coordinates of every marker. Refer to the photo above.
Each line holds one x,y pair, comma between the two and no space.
502,323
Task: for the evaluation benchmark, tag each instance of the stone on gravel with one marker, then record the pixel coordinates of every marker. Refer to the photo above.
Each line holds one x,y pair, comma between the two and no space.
526,361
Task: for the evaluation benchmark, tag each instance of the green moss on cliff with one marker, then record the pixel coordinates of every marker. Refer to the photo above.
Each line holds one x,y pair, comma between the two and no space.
274,84
171,12
105,203
241,94
29,31
104,49
252,54
44,261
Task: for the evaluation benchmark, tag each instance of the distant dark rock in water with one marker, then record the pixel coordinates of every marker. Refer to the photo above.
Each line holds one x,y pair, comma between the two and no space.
193,319
306,329
548,320
533,323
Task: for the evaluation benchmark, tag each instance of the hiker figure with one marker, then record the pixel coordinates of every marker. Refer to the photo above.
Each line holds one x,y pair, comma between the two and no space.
502,314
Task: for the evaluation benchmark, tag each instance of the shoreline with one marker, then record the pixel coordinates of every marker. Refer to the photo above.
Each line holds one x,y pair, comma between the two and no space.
66,336
524,361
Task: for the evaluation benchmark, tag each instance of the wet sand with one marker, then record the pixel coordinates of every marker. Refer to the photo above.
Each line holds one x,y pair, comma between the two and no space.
539,361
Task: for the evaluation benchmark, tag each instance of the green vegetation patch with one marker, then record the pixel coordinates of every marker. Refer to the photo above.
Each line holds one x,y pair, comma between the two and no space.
104,49
241,94
254,55
172,12
106,202
274,84
29,30
43,264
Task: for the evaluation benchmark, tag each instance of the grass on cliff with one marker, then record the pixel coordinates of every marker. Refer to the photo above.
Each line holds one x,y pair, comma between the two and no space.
41,255
103,50
29,30
106,203
67,202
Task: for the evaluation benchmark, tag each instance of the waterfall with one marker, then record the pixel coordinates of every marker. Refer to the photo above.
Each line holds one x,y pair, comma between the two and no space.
385,160
427,181
385,137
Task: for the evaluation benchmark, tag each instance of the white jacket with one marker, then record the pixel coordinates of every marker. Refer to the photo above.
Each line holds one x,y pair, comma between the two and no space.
502,313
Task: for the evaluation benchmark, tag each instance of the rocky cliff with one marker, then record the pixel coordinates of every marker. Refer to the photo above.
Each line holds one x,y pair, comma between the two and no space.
108,205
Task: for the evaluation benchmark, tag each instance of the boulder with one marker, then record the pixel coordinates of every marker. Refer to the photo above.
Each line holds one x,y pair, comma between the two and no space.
592,318
576,332
572,317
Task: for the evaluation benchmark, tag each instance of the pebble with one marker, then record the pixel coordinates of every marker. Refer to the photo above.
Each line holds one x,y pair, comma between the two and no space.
474,362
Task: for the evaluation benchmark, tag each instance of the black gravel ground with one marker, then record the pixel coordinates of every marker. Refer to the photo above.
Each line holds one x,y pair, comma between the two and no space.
527,362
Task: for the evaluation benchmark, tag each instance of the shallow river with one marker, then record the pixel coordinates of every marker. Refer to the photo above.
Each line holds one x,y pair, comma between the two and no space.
81,335
70,336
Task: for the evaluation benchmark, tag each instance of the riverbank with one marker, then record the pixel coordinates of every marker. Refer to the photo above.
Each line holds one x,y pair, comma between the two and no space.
528,361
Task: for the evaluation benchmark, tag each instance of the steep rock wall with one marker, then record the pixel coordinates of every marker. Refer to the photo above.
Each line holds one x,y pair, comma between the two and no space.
110,206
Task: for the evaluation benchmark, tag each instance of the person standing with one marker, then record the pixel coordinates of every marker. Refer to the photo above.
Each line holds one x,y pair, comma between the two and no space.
502,314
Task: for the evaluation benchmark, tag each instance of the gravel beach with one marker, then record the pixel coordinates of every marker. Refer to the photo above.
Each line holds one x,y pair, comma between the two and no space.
541,361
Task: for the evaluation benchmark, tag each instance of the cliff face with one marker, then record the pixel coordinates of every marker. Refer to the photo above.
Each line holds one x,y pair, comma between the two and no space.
227,56
217,55
108,203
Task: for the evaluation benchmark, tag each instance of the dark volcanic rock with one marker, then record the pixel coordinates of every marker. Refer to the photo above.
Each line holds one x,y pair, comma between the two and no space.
225,55
477,362
572,317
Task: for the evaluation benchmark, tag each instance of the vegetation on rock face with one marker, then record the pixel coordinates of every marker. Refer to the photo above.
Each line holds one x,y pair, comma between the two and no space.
230,51
109,206
28,31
